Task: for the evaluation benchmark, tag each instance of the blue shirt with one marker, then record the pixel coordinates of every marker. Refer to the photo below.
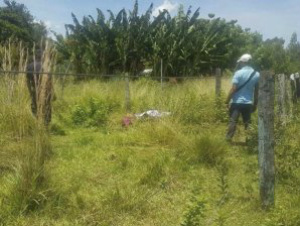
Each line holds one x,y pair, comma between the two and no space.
244,95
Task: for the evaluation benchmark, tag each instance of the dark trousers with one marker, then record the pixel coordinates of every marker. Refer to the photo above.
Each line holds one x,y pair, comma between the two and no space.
234,112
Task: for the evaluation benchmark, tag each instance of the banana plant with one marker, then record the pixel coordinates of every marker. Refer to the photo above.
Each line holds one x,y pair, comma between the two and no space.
127,41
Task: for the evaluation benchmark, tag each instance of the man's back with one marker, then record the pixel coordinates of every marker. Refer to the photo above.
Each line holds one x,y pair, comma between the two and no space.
245,94
40,89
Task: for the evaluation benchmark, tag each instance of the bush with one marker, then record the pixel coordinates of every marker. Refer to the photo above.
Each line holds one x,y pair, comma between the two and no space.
94,112
195,213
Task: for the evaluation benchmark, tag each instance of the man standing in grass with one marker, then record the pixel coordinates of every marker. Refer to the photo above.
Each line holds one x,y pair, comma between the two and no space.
243,96
40,89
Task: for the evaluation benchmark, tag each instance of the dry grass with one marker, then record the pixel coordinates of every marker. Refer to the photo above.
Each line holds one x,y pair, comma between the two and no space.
24,141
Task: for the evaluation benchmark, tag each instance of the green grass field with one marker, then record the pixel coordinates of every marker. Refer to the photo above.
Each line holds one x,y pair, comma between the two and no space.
177,170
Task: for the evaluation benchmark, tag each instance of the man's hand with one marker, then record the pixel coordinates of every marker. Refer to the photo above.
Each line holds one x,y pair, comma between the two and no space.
230,94
227,105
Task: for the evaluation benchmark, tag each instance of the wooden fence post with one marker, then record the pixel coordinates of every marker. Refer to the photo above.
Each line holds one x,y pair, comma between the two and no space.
63,79
297,81
290,90
266,139
127,94
282,98
218,82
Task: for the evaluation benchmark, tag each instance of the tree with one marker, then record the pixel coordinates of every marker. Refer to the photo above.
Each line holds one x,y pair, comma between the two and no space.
128,41
272,56
293,51
16,22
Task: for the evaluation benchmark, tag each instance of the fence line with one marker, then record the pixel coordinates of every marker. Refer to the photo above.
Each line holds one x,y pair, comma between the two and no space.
104,76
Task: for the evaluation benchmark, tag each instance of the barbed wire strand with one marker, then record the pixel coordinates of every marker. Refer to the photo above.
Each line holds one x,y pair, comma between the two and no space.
104,76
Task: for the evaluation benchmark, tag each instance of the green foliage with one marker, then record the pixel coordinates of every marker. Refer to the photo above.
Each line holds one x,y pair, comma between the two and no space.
272,56
282,216
140,175
223,185
195,213
25,144
293,51
287,152
129,41
221,110
17,23
94,112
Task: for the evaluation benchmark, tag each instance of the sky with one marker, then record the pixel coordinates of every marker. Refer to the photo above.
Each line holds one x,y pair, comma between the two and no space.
271,18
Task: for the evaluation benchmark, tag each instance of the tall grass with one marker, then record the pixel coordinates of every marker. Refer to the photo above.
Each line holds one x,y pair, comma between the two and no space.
167,171
24,142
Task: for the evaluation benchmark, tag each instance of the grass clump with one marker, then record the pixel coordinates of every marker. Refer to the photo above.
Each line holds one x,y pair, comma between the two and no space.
209,150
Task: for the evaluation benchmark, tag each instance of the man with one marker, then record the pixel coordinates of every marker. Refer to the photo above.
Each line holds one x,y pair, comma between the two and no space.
242,98
40,89
293,88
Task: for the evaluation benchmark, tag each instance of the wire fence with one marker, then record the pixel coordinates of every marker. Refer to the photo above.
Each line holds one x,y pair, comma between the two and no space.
61,81
97,75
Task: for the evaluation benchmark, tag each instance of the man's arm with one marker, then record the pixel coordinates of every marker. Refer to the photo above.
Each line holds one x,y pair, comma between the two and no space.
255,101
231,92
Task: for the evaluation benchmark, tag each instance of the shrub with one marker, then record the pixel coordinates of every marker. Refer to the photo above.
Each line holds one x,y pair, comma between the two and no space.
94,112
195,213
79,115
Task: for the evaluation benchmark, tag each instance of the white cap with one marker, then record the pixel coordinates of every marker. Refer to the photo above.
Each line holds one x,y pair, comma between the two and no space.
245,58
292,77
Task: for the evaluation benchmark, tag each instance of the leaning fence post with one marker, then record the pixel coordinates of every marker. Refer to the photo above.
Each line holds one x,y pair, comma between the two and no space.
218,82
127,94
281,97
266,139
